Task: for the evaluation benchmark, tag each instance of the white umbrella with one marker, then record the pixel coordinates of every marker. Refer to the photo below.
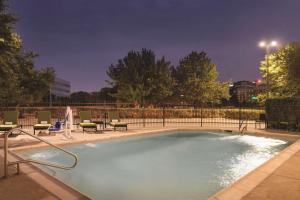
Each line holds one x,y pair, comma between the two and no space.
68,123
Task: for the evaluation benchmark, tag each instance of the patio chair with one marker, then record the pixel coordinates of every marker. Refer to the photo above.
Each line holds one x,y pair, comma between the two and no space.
298,124
262,119
10,121
283,125
292,123
86,120
273,124
44,121
115,121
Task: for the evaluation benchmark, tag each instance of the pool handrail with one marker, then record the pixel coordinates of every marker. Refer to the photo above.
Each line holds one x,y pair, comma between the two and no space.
7,163
245,126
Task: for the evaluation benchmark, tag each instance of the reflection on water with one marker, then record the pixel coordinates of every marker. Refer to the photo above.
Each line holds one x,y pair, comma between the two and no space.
91,145
44,155
260,151
185,165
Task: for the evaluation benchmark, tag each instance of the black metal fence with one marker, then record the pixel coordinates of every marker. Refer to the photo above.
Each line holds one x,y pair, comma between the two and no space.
171,115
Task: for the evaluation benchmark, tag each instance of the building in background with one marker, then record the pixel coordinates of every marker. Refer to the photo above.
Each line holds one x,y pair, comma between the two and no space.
243,92
60,88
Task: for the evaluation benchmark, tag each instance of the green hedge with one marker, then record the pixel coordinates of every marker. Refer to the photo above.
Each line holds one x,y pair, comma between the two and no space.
97,113
283,109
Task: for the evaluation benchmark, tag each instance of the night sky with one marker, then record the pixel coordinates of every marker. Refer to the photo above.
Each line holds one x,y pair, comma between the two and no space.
81,38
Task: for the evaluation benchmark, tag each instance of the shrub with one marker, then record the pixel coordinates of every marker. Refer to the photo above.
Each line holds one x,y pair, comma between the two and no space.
283,109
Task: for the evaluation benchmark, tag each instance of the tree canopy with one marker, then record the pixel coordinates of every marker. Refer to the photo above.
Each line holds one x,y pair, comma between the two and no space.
19,80
196,80
102,96
283,71
139,77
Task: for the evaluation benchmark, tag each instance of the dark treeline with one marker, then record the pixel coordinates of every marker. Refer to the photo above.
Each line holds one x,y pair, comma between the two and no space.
142,79
102,96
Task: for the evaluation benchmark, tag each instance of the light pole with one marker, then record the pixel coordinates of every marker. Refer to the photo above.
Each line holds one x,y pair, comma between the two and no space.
267,46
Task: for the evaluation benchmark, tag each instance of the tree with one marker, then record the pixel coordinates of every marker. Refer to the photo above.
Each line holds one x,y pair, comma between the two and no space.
139,77
10,44
196,80
80,97
283,71
104,95
34,83
19,80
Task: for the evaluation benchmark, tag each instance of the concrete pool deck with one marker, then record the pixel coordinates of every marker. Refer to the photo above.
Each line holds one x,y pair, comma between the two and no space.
33,184
276,179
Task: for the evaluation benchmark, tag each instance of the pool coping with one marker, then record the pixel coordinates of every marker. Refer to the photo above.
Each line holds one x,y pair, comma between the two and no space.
53,186
236,190
166,129
63,143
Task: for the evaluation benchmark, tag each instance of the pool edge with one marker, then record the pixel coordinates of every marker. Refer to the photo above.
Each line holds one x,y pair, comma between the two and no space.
64,143
51,184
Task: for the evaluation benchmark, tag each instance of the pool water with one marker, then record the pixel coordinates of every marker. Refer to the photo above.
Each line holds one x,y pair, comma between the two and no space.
177,165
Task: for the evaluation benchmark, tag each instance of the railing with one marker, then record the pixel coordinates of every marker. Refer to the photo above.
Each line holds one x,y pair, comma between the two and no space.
141,117
243,128
7,164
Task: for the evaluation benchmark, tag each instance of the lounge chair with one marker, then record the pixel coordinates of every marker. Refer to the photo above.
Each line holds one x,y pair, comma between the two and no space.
115,121
86,120
298,124
262,119
10,120
44,121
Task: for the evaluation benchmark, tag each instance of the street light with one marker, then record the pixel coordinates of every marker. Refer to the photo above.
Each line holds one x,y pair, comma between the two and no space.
274,43
267,46
262,44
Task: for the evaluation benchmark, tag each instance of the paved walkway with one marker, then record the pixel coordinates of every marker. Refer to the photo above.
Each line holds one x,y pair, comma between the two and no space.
21,187
284,183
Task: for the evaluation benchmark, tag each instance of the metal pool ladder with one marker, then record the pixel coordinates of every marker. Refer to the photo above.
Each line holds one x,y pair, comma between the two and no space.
18,162
245,126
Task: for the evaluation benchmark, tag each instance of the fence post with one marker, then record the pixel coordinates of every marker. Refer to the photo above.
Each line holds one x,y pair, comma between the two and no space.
194,113
201,115
240,118
5,149
163,115
105,119
143,116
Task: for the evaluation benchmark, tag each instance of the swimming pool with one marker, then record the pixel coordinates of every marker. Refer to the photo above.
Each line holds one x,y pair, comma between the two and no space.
175,165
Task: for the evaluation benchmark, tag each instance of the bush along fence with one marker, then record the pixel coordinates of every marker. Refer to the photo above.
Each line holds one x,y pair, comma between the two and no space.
235,117
283,113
